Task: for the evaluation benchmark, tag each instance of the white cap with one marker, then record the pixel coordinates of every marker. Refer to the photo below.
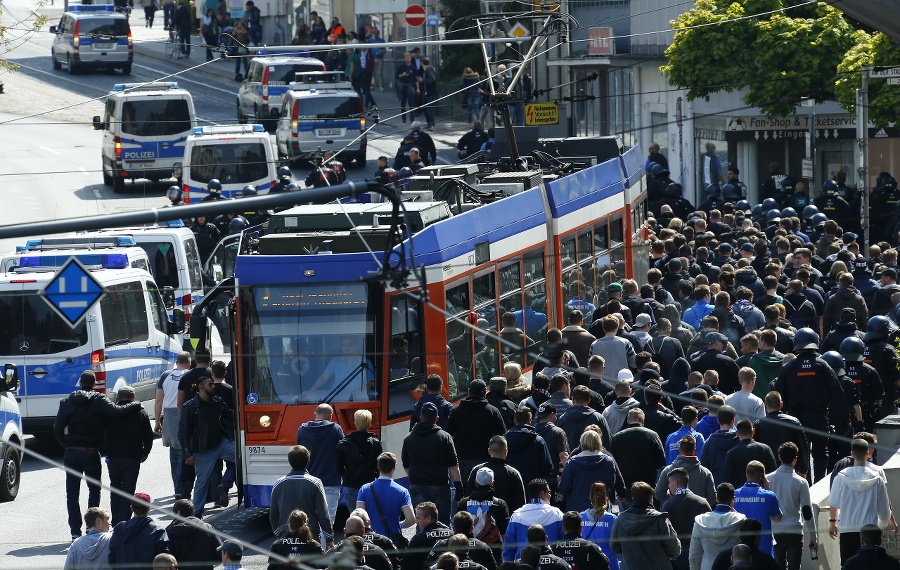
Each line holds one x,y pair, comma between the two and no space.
625,375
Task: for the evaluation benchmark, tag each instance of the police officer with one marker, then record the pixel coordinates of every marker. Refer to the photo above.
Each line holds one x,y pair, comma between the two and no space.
844,426
658,182
207,237
734,180
284,179
884,201
674,196
174,196
731,193
786,197
881,355
818,227
214,187
578,552
713,199
832,205
811,393
867,381
771,186
321,176
424,142
806,218
431,530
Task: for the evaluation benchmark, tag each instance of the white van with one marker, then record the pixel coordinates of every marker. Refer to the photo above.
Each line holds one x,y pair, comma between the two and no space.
92,36
10,434
54,252
235,155
145,126
126,338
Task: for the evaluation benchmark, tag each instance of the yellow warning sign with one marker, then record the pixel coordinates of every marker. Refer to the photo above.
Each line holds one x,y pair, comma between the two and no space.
194,343
519,31
546,5
541,114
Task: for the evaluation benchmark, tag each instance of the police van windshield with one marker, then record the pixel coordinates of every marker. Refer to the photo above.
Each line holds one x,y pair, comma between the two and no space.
329,107
231,163
157,117
103,27
285,74
163,263
31,327
309,343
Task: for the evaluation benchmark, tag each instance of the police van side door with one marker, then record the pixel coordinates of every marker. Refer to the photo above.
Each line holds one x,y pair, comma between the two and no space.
163,347
109,137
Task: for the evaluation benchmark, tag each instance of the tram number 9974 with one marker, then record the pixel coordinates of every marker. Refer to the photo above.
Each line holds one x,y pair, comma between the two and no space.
256,449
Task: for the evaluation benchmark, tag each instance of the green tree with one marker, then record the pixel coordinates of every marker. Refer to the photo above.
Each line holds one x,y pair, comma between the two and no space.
456,58
16,33
777,56
870,50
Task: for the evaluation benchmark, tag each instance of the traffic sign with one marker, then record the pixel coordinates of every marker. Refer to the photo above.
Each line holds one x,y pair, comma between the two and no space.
519,30
893,81
541,114
433,19
415,15
72,291
884,72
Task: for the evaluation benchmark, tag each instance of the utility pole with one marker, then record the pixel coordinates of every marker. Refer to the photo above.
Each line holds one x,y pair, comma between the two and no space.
862,142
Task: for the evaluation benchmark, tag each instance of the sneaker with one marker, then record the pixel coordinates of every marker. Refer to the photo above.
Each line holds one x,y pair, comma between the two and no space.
75,536
223,496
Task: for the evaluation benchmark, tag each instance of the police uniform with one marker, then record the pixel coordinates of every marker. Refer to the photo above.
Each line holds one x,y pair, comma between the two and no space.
422,543
321,177
213,196
811,393
870,391
835,207
714,203
882,356
845,425
579,553
280,187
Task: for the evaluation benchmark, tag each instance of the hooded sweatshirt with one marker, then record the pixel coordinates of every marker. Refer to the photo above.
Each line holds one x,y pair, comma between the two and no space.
678,381
700,482
585,469
708,425
714,451
136,542
767,367
845,297
321,438
753,317
661,543
860,495
528,452
193,547
89,551
579,417
472,424
714,532
616,413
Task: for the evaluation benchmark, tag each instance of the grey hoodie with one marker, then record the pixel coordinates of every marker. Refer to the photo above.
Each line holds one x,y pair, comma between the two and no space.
861,496
89,551
714,532
700,482
644,539
616,413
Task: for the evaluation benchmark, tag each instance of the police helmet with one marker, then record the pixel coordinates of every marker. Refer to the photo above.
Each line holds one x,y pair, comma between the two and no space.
293,187
743,205
712,191
819,219
810,211
889,183
249,190
658,170
788,183
174,193
788,212
853,349
731,192
835,361
829,187
237,225
806,338
757,211
769,204
773,215
284,173
674,190
405,172
879,327
214,186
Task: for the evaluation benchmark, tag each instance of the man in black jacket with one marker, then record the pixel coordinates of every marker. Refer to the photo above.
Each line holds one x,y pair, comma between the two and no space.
747,450
529,453
192,543
683,506
638,452
508,484
581,416
205,432
129,440
777,428
472,424
505,405
430,531
80,425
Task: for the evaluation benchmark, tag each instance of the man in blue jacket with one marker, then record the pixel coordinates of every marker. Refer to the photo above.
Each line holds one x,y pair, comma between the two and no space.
321,437
434,384
536,511
719,444
137,541
527,450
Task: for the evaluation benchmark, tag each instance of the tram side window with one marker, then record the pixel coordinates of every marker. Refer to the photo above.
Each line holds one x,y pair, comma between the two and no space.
533,319
569,275
407,362
601,263
617,246
510,280
460,339
488,352
586,273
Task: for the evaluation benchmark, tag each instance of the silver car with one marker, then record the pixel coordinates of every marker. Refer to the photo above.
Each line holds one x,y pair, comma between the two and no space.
92,36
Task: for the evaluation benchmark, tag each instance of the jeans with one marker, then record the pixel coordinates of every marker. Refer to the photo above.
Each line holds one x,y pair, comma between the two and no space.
407,95
255,35
176,463
487,117
148,15
168,14
210,40
89,464
332,496
473,107
205,462
517,112
184,36
379,73
429,110
123,475
788,550
242,60
348,496
437,494
365,90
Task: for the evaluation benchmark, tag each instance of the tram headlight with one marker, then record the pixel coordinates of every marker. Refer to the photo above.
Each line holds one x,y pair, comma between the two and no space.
265,421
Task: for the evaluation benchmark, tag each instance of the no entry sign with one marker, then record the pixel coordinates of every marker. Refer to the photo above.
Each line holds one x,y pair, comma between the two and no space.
415,15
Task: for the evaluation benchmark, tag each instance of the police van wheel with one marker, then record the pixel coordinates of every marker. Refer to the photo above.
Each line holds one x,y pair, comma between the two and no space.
70,66
107,179
10,474
240,116
126,69
56,64
118,184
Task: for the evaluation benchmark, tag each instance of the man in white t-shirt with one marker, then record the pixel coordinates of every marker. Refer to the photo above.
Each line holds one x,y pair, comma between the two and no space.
167,416
747,406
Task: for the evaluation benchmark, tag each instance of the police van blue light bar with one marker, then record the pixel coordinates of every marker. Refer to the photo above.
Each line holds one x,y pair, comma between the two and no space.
227,130
93,8
80,241
176,224
152,86
105,260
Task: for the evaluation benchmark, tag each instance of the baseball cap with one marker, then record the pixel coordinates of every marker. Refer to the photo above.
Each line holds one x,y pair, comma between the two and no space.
725,247
848,314
545,410
714,336
675,265
746,247
231,547
849,237
625,375
141,496
416,124
642,320
484,476
498,383
889,272
861,264
125,393
614,287
477,386
430,411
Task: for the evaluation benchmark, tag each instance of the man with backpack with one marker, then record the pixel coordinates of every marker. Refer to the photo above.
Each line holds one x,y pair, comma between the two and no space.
490,513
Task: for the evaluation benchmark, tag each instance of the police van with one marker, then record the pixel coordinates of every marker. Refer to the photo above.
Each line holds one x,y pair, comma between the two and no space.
54,252
145,126
235,155
92,36
10,434
126,338
322,111
260,96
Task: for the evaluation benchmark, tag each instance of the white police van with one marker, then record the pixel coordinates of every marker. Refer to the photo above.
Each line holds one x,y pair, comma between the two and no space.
126,338
235,155
268,78
322,111
10,434
145,126
54,252
92,36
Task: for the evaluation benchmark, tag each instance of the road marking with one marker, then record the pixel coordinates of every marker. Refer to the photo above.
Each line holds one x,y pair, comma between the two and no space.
97,194
83,170
49,150
181,78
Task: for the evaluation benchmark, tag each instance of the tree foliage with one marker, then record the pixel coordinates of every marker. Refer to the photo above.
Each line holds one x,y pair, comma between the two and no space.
870,50
778,55
456,58
17,33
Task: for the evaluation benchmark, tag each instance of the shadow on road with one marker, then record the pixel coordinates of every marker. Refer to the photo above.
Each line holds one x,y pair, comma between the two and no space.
42,550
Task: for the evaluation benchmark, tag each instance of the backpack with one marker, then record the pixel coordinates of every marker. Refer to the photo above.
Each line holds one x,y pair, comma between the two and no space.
797,319
486,529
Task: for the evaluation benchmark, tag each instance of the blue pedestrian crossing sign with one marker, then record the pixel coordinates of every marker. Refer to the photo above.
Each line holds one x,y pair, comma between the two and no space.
72,292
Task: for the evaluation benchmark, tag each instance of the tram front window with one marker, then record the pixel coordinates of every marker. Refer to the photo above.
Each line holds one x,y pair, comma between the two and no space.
310,343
